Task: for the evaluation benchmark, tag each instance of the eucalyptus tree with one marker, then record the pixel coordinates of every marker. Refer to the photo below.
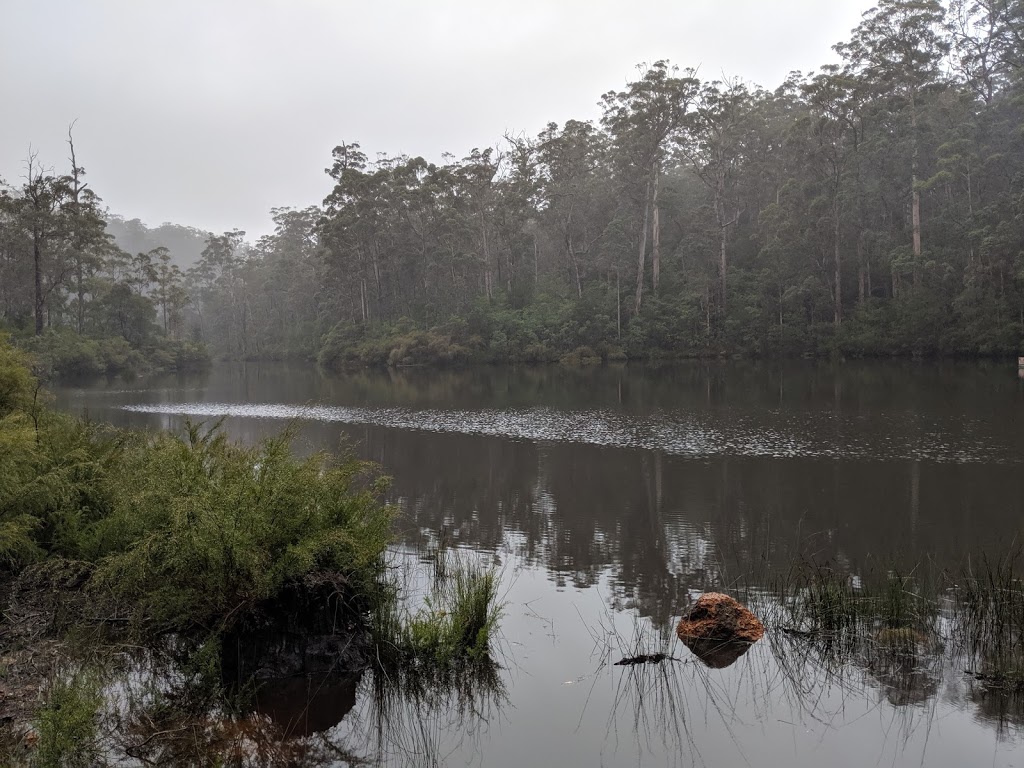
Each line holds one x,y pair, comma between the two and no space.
834,124
714,146
169,291
899,48
218,299
87,237
574,194
643,120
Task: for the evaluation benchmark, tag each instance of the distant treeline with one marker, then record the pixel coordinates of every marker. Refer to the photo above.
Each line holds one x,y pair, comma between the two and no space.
875,207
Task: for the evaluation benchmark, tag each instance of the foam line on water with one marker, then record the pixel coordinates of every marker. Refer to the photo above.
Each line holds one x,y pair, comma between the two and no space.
696,434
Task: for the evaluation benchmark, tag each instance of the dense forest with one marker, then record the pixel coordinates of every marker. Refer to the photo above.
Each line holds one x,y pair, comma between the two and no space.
874,207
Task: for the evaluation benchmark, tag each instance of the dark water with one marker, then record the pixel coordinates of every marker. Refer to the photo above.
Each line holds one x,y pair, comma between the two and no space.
610,497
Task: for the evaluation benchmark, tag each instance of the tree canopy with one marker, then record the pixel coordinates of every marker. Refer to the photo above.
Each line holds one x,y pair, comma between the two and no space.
873,207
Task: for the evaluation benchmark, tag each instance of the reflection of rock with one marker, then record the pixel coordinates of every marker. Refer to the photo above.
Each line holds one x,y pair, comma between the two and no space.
718,629
717,654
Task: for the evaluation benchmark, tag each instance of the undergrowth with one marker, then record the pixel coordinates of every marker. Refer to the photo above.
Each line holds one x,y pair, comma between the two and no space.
66,725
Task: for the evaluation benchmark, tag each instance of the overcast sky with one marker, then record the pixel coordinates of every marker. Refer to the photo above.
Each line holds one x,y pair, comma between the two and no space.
211,112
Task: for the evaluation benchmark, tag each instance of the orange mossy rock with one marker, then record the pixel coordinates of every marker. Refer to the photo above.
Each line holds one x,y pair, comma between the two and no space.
718,629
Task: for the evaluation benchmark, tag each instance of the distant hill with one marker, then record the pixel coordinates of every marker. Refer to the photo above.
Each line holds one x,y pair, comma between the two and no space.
185,243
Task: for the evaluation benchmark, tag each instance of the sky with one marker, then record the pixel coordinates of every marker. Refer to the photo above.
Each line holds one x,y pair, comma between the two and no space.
209,113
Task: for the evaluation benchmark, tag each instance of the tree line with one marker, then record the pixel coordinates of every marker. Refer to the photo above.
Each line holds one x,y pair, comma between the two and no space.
872,207
90,305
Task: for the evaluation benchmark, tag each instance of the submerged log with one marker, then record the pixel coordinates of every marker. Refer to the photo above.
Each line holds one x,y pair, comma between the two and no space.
643,658
718,630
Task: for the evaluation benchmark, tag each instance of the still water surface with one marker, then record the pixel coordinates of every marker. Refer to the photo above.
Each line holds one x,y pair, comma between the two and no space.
610,497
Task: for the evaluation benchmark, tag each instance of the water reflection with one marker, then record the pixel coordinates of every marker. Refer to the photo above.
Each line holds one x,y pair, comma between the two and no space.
591,482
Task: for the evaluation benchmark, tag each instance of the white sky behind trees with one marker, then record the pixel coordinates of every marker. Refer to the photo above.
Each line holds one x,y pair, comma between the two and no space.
209,113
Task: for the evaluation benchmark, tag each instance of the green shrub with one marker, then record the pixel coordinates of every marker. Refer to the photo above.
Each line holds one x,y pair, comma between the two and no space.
16,382
200,528
67,723
581,356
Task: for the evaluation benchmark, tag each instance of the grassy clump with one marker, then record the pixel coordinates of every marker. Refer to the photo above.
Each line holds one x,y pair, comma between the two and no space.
819,600
972,614
67,723
455,624
988,601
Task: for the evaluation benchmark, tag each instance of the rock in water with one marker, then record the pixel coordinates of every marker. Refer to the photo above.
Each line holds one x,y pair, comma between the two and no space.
718,629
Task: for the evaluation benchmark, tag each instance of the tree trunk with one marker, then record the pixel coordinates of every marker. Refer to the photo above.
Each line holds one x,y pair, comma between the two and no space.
641,258
575,265
487,259
76,190
655,235
723,265
838,303
536,262
618,307
723,238
37,264
860,268
915,205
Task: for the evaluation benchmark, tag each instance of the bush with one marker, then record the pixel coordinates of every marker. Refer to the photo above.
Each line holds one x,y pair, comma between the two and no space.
16,382
581,356
200,528
62,353
190,530
351,346
67,723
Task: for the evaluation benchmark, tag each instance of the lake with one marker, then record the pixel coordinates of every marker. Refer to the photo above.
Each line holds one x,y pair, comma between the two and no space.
609,498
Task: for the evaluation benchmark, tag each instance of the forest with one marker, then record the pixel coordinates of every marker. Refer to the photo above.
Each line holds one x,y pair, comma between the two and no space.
874,207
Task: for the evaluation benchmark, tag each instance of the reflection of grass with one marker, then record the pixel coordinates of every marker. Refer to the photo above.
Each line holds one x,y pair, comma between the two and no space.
432,670
974,613
410,713
833,635
814,599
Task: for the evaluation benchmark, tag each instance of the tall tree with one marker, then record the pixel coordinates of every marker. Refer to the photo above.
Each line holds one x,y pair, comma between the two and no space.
898,46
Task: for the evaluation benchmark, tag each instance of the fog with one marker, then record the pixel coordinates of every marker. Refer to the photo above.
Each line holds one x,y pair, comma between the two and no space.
210,114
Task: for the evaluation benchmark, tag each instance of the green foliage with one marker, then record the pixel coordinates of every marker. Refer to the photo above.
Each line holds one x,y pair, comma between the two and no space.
67,723
191,530
62,353
200,528
16,382
353,346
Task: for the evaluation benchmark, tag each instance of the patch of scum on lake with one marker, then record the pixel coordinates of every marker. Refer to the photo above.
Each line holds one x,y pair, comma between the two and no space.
671,432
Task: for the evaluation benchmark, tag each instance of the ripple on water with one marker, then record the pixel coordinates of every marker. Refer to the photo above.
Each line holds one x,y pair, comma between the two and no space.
682,433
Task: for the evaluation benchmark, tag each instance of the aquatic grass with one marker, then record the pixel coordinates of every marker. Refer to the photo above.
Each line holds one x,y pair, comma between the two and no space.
987,602
898,625
818,599
455,624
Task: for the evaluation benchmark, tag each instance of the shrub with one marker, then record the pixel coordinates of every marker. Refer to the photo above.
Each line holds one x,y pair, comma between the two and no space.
67,723
200,527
